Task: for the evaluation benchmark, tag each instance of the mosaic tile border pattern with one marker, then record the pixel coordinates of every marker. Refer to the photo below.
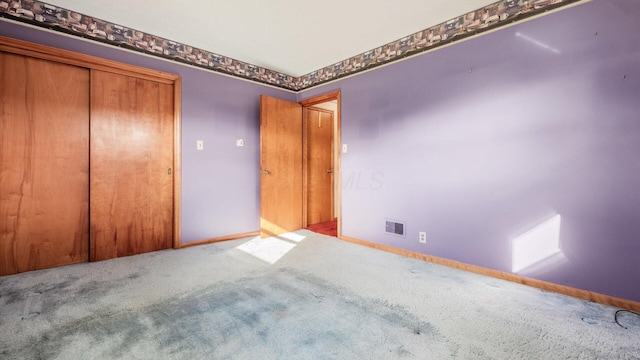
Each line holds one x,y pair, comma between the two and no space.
489,17
71,22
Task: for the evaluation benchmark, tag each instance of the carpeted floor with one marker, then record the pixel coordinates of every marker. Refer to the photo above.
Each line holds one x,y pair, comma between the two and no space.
298,296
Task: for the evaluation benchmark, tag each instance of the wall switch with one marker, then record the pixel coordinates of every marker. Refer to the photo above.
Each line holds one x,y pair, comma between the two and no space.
240,142
200,144
344,148
423,237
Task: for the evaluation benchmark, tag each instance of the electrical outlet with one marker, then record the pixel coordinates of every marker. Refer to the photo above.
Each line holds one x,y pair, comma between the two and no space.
423,237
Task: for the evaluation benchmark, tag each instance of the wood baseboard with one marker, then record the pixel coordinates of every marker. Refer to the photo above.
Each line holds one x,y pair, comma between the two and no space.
544,285
219,239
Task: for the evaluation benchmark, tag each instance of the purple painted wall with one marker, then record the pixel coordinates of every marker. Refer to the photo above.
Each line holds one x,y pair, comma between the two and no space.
220,185
545,123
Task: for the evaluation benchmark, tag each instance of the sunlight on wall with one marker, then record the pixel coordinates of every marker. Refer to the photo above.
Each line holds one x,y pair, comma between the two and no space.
271,249
536,245
538,43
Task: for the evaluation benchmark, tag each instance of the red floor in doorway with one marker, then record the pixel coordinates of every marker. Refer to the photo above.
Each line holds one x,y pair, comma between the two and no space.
327,228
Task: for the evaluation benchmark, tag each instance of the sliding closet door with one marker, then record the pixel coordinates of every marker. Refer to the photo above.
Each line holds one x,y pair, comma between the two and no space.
131,173
44,163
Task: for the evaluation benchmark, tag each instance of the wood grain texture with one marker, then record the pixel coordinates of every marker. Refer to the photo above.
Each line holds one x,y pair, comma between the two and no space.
44,163
91,62
318,160
177,163
338,163
544,285
281,166
131,153
333,96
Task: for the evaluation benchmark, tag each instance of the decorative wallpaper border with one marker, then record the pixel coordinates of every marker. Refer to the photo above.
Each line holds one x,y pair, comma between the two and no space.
71,22
489,17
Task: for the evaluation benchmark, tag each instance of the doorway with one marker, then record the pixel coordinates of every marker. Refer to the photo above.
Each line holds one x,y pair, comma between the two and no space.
288,201
321,164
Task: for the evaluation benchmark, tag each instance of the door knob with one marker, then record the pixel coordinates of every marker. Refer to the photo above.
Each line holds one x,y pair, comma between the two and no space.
329,171
266,172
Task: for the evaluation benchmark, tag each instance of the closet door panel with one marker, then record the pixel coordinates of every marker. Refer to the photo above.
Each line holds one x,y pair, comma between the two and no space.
131,177
44,163
319,169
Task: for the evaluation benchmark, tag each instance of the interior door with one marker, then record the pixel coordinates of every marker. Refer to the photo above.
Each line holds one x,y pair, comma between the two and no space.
131,165
319,165
44,164
280,166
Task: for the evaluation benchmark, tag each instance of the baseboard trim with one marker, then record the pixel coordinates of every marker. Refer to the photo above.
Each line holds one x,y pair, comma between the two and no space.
219,239
544,285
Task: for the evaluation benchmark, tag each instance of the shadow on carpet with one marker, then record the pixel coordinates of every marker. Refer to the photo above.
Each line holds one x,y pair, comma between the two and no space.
282,315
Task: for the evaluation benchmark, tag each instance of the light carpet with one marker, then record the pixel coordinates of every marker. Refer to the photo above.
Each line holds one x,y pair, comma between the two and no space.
298,296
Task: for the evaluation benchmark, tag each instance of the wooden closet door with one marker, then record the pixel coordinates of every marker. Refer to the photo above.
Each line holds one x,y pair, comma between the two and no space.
131,165
44,163
319,165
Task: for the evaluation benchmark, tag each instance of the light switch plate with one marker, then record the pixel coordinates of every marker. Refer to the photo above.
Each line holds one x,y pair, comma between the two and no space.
240,142
200,144
344,148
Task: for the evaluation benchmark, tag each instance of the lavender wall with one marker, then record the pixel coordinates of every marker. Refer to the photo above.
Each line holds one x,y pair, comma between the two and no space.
545,123
220,185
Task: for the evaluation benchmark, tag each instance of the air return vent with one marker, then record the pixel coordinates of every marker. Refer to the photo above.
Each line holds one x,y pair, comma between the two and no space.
394,227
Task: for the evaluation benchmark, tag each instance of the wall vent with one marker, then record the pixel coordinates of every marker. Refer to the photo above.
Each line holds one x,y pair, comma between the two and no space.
394,227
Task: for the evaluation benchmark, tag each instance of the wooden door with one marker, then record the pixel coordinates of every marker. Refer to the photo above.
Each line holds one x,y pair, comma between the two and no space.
319,170
44,164
131,165
281,166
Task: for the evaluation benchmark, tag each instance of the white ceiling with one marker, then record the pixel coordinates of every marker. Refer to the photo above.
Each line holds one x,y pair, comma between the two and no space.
295,37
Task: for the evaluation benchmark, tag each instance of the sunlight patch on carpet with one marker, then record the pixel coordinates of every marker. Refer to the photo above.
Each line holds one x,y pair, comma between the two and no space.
271,249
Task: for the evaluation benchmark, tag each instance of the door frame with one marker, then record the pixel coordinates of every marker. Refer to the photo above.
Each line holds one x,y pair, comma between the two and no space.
39,51
310,102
